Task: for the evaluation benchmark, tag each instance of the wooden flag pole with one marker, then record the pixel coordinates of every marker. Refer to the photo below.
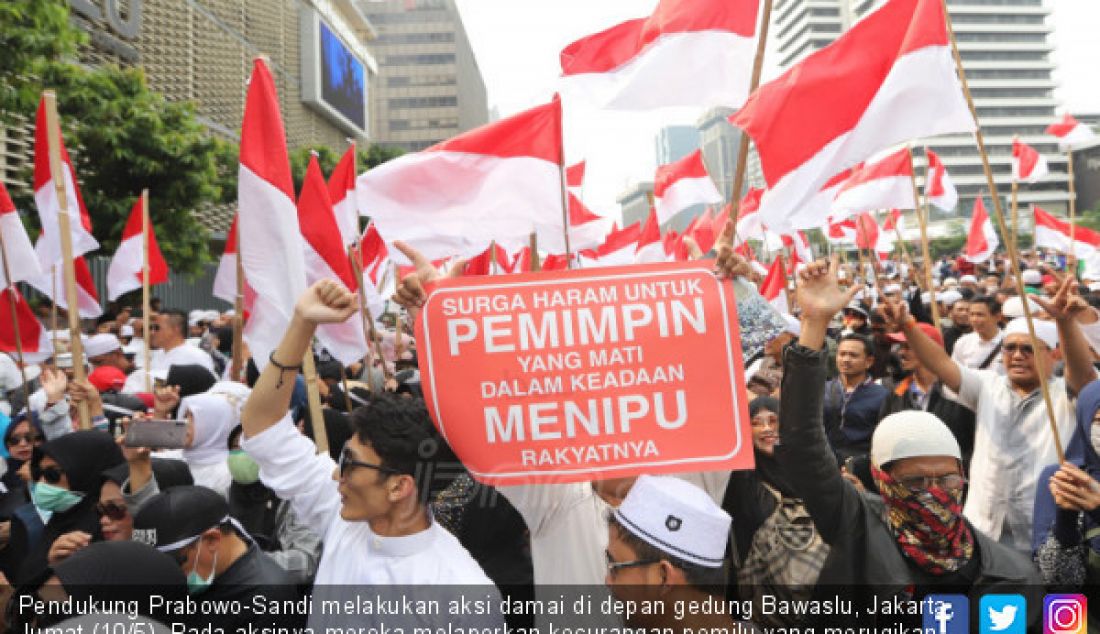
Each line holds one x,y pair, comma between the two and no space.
921,211
369,333
535,265
238,315
743,145
313,396
999,213
145,353
15,322
53,308
53,134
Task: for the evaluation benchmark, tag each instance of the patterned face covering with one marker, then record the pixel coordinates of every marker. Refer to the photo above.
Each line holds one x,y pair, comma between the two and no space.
927,524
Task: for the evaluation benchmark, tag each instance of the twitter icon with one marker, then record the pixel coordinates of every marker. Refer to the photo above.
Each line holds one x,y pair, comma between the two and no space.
1003,614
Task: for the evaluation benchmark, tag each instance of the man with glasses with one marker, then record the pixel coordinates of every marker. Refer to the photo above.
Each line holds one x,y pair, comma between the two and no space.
910,541
1013,440
371,508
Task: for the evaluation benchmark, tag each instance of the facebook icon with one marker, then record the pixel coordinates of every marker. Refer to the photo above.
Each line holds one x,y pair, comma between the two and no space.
946,614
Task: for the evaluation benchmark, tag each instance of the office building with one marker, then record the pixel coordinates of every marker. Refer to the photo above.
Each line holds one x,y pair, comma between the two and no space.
429,87
635,203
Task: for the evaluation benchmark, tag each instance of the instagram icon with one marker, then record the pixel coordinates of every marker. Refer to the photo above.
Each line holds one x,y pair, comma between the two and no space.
1065,614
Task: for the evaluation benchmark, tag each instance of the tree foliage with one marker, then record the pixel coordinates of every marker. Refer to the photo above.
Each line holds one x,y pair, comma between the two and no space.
34,35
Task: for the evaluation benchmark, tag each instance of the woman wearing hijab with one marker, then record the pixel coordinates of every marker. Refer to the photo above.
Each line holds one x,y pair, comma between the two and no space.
66,474
1067,509
21,436
210,418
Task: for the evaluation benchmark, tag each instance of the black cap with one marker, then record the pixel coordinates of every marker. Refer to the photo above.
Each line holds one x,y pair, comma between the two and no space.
174,518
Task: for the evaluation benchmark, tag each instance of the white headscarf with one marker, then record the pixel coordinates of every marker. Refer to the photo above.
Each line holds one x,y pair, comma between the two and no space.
215,416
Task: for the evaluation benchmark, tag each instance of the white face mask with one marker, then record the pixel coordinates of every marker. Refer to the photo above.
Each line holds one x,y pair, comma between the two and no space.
1094,436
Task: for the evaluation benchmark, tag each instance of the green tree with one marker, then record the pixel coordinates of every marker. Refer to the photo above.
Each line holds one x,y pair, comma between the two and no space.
34,35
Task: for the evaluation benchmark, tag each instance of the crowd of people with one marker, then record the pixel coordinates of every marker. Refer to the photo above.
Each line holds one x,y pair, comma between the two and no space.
895,458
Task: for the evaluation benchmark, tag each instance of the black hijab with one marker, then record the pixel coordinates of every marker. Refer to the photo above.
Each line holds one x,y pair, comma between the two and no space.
767,467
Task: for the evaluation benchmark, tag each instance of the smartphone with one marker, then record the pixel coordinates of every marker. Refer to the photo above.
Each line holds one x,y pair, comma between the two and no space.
158,434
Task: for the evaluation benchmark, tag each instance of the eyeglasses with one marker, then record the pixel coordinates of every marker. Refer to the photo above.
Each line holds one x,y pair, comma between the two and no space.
154,327
113,510
1024,348
52,475
347,461
949,482
614,567
30,439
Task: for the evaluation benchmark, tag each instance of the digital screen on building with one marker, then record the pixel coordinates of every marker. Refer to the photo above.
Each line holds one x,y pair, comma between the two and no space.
343,78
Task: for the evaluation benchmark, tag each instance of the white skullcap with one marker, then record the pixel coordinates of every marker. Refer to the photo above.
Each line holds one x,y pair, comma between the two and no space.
890,289
677,518
951,282
949,297
126,330
1014,307
210,315
912,434
968,279
101,344
1046,331
194,317
926,298
230,313
794,326
1032,277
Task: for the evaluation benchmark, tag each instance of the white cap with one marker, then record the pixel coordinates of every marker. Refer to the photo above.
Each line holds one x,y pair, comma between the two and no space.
949,297
677,518
126,330
1046,331
1094,287
890,289
1014,307
912,434
794,326
101,344
968,279
951,282
1032,277
210,315
926,298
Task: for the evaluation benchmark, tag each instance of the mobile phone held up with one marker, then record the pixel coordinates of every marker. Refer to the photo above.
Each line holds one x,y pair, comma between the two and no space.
157,434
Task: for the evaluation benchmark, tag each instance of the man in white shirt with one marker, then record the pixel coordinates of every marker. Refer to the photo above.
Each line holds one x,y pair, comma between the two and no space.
1013,439
981,348
370,509
168,340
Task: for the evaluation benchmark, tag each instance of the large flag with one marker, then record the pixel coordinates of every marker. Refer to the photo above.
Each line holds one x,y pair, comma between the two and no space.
867,231
87,299
889,79
498,182
618,248
1070,132
883,184
982,240
48,246
774,286
650,245
938,188
586,228
126,270
21,257
702,231
341,189
843,232
748,216
271,243
325,258
1054,233
225,279
33,337
658,61
682,184
1028,165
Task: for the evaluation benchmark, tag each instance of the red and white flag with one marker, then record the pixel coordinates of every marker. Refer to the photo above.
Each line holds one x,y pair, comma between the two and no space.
938,187
48,246
271,242
888,232
889,79
1028,166
341,190
21,257
651,246
882,184
574,176
492,261
555,262
225,279
33,337
867,231
682,184
702,231
586,228
373,254
982,240
126,269
326,258
1054,233
1070,132
774,286
618,248
843,232
748,216
87,298
799,247
658,61
498,182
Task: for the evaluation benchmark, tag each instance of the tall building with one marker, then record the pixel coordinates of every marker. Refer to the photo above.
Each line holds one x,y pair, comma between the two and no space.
1006,55
429,87
674,142
635,203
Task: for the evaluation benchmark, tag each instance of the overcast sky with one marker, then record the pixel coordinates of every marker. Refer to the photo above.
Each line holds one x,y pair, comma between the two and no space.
517,42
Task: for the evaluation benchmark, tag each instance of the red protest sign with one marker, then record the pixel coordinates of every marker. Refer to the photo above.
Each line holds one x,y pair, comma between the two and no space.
579,375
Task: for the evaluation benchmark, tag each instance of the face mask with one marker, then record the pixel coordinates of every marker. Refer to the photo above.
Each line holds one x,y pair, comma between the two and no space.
242,467
195,583
47,497
1094,435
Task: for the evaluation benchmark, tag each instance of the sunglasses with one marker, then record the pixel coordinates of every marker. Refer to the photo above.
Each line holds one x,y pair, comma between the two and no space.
113,510
949,482
51,475
347,461
1024,348
30,439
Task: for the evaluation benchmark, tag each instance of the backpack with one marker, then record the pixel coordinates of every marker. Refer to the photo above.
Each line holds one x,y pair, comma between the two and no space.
784,559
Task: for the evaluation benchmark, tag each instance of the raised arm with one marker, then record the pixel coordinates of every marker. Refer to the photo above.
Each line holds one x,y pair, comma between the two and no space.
1066,308
931,354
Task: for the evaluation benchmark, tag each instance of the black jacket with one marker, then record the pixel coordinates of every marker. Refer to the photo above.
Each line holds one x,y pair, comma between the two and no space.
864,560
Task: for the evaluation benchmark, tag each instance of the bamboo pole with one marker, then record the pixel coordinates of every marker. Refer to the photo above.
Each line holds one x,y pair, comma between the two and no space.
344,383
535,266
313,396
15,322
369,333
145,353
53,134
53,308
238,313
743,146
999,213
921,211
